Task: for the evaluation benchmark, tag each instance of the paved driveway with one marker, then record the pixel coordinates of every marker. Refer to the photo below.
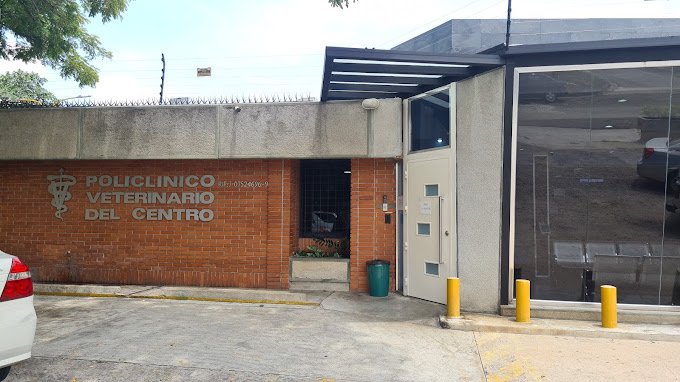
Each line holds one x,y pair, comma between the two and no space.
347,338
117,339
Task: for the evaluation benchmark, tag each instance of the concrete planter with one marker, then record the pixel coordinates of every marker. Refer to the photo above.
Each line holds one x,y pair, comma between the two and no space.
320,274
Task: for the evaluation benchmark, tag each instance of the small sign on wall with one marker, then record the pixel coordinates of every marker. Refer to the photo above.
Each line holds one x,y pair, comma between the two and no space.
203,72
426,208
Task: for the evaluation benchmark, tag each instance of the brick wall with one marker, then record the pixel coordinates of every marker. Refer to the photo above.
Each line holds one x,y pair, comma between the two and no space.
370,237
247,244
282,232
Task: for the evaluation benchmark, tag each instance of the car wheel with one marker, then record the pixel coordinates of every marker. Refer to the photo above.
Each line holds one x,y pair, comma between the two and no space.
4,372
550,97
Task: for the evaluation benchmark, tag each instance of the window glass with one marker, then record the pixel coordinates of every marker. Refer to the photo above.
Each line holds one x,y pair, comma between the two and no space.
430,120
666,260
432,269
423,229
594,169
325,198
431,190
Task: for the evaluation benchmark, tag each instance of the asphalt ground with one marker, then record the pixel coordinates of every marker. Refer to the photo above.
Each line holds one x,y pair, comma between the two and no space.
346,337
116,339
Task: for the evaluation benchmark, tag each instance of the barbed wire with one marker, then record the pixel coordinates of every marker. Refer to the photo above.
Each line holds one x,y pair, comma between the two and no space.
245,99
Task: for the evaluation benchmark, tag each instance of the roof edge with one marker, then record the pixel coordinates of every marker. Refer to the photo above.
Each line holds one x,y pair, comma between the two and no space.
633,43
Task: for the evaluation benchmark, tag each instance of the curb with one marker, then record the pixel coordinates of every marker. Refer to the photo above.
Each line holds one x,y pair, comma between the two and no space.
534,328
178,298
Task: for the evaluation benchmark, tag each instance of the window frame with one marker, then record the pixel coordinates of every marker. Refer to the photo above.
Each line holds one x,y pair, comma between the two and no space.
409,132
513,151
303,233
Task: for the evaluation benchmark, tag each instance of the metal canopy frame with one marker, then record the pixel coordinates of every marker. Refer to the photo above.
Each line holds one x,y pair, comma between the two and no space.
351,73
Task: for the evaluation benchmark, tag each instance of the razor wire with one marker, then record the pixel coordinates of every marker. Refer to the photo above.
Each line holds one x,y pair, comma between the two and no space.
84,103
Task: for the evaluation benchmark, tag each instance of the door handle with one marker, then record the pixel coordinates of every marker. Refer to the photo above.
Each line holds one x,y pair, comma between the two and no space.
441,199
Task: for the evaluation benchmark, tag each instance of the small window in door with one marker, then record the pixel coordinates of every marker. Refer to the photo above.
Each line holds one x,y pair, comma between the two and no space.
423,229
431,190
432,269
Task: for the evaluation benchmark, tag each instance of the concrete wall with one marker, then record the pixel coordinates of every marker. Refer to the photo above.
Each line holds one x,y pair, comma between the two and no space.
479,147
286,130
44,134
474,35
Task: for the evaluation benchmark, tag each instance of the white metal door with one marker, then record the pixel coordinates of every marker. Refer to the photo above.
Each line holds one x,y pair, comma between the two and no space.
429,225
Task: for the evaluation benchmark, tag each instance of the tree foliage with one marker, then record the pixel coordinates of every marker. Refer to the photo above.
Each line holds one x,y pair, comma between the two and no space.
340,3
19,84
53,32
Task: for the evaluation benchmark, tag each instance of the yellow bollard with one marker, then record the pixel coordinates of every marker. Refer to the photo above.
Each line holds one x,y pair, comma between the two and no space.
452,297
522,296
608,302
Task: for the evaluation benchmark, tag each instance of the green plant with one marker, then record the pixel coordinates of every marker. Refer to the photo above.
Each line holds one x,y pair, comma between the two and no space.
325,248
55,33
25,87
314,251
340,3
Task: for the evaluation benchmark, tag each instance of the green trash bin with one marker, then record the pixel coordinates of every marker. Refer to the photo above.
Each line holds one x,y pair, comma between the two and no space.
378,278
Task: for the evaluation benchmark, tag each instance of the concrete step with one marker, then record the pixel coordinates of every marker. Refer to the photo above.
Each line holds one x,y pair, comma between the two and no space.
561,327
327,286
310,297
635,314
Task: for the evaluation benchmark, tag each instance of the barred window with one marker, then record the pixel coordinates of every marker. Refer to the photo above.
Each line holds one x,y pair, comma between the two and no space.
325,197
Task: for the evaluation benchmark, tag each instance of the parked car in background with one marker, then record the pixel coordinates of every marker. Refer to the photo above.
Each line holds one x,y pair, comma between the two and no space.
17,314
540,87
656,153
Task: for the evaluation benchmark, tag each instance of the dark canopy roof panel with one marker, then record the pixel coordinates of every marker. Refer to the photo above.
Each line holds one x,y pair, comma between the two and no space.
593,52
351,73
589,46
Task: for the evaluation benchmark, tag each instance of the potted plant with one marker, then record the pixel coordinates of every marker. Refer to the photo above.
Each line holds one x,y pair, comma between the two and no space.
323,266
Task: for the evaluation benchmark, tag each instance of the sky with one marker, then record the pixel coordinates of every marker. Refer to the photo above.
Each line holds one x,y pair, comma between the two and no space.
276,47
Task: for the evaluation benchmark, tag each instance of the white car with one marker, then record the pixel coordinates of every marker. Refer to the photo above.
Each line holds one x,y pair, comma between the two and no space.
17,315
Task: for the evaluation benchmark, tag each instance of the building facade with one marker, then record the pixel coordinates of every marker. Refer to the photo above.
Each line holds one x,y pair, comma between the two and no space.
551,162
200,195
589,166
465,36
585,188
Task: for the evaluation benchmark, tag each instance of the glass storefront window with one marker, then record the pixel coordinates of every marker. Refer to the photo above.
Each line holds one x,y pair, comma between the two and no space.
430,118
597,196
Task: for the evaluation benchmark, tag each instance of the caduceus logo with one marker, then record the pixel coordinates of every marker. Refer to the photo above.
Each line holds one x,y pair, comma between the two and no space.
58,187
